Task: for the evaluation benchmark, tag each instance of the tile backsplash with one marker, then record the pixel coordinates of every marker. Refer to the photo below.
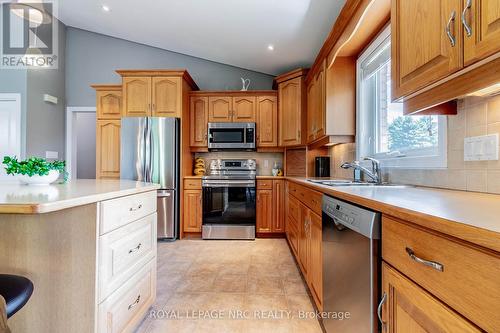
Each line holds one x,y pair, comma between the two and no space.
263,167
476,116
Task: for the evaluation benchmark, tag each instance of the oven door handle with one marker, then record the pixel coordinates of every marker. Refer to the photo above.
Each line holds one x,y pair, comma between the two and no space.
228,183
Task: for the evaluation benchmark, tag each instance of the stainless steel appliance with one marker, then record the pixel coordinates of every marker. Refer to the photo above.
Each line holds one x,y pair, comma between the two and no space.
229,200
150,153
231,136
322,166
351,265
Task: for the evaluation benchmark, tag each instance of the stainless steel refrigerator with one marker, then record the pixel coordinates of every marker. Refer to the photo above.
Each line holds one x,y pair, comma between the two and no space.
150,153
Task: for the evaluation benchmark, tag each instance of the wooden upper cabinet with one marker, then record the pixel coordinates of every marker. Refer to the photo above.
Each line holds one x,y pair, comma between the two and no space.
410,309
320,114
193,210
108,101
311,108
198,121
483,38
136,96
166,96
267,121
220,109
244,109
264,209
422,51
291,112
108,148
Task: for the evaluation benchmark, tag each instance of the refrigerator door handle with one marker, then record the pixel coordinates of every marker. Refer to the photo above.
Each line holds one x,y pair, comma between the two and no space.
147,163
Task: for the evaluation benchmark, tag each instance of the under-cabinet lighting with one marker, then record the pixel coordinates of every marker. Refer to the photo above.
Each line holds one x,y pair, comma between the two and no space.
488,91
270,47
105,8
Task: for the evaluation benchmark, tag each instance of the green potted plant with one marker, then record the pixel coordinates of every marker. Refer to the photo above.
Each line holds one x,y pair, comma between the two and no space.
34,170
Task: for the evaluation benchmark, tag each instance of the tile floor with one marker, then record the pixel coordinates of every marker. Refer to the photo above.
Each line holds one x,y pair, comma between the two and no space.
229,286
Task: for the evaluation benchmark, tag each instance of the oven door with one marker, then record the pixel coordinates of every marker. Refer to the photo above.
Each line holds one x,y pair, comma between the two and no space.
229,209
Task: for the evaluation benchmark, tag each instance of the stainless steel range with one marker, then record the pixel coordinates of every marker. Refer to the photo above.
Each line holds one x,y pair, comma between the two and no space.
229,200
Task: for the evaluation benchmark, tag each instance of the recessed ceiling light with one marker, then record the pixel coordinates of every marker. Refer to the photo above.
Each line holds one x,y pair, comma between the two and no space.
270,47
105,8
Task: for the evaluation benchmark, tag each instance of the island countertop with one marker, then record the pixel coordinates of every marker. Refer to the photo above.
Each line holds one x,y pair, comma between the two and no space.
32,199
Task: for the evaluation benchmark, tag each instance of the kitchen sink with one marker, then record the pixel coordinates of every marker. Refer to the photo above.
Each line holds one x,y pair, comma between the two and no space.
351,183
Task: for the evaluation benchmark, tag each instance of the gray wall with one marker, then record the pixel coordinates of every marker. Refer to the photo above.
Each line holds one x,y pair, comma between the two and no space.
93,58
45,122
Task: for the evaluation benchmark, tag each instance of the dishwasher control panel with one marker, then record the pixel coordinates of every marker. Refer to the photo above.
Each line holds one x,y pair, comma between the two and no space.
361,220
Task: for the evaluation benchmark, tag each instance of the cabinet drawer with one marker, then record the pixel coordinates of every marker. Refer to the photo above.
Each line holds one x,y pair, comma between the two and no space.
121,211
124,251
309,197
192,184
469,281
264,184
126,307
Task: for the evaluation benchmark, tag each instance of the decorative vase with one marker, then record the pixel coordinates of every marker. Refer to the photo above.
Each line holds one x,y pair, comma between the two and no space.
245,84
39,180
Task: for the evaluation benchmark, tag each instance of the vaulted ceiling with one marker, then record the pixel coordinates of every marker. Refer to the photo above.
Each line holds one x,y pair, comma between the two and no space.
234,32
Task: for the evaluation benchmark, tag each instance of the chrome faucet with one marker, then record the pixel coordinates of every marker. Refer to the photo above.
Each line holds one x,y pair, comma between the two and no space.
375,174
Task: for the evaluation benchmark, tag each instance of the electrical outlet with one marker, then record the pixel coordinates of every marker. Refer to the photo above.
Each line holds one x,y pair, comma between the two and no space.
481,148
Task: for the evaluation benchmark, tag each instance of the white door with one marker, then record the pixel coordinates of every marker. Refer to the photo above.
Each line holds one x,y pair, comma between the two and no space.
10,129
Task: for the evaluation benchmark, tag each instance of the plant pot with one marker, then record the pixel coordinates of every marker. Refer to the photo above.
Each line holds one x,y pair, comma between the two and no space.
39,180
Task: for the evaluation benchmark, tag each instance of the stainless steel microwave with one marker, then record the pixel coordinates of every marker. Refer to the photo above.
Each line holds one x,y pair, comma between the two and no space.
231,136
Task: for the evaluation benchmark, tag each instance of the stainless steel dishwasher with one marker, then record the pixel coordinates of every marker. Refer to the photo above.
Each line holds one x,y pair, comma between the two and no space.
351,264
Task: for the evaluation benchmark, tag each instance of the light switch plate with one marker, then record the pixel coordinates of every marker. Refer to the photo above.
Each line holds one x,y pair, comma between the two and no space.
481,148
51,154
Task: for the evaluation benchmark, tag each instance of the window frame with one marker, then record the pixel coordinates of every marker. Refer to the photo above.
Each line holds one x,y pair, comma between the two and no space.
418,158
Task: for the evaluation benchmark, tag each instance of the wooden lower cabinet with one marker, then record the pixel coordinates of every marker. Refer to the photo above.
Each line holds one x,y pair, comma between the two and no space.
278,222
193,210
316,258
304,234
108,149
410,309
264,210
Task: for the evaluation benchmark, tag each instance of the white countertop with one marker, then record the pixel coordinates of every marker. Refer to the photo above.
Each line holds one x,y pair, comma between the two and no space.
34,199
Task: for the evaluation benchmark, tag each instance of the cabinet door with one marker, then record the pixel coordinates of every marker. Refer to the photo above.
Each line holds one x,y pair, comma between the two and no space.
264,210
320,114
278,220
244,109
316,259
220,109
422,52
483,18
109,104
311,110
198,121
290,112
303,230
267,121
108,149
136,96
410,309
193,210
166,96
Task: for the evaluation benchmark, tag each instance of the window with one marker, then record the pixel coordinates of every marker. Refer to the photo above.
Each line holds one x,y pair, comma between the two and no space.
383,132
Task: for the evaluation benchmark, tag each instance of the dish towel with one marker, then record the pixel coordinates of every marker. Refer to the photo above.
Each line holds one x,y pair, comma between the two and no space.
3,316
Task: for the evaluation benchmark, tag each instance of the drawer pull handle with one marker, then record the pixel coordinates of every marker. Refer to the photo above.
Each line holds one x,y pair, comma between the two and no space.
135,248
133,209
467,27
379,310
437,266
451,37
135,302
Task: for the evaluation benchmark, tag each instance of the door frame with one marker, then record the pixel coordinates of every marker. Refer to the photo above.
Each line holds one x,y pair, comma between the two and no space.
70,152
16,98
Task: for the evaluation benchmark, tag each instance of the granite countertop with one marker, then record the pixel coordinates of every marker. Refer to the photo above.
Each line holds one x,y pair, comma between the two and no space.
470,216
24,199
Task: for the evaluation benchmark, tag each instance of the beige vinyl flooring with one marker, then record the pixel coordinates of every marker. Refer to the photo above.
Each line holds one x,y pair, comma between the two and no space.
229,286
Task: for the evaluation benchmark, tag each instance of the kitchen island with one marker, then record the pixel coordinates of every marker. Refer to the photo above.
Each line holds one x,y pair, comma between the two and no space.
88,246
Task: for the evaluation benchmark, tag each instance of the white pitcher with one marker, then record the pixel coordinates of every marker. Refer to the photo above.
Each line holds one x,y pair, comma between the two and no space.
245,83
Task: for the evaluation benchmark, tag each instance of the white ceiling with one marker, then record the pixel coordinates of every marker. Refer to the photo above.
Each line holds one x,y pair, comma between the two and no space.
235,32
